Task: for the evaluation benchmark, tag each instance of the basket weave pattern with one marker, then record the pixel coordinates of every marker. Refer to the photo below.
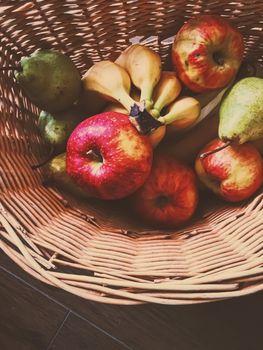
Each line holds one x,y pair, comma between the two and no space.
87,248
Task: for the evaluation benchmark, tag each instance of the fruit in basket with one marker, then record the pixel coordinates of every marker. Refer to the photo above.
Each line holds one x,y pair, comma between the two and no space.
182,113
55,172
113,82
241,112
157,136
55,128
187,147
107,157
207,52
169,196
49,79
234,173
144,67
110,81
117,107
165,92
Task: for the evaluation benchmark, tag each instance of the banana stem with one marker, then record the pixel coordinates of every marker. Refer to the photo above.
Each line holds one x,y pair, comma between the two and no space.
155,113
146,95
170,118
147,91
159,105
208,153
126,101
143,121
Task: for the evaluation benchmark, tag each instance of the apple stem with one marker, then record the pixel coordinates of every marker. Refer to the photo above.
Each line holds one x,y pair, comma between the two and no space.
95,155
50,156
208,153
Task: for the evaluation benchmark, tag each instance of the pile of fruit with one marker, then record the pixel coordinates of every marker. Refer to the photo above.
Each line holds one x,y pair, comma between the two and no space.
114,132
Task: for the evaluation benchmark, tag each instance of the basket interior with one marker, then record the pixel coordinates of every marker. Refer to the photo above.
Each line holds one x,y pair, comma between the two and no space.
221,242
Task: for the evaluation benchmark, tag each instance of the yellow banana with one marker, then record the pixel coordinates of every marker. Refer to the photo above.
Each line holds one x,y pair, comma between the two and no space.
156,136
117,107
144,68
111,81
181,114
165,92
187,147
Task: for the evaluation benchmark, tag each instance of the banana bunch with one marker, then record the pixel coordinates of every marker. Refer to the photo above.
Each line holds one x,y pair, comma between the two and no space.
138,67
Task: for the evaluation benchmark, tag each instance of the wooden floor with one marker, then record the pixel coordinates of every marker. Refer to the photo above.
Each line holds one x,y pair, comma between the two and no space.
35,316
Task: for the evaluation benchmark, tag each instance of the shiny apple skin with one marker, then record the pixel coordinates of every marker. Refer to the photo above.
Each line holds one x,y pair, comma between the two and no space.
200,45
169,196
234,173
126,156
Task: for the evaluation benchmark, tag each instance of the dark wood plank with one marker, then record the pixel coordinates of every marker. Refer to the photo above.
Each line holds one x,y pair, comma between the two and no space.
28,319
78,334
233,324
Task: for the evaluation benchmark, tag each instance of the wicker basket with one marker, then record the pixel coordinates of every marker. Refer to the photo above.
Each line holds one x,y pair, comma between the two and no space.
96,250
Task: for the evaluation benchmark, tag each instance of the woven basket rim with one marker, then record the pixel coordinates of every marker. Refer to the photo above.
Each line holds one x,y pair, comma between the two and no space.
215,257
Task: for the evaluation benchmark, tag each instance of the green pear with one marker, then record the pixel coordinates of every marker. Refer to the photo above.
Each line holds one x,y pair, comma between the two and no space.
49,79
56,173
241,112
56,128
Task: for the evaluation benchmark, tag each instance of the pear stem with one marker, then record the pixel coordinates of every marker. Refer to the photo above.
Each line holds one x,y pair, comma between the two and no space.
208,153
50,156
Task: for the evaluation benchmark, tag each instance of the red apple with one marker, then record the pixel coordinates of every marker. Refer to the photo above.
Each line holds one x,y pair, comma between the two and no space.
207,52
234,173
107,157
169,196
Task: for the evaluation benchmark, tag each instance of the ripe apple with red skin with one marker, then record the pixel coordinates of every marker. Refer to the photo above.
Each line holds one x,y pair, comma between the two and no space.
107,157
169,196
233,173
207,52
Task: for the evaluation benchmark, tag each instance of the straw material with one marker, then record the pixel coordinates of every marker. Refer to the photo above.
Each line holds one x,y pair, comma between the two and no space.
95,250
